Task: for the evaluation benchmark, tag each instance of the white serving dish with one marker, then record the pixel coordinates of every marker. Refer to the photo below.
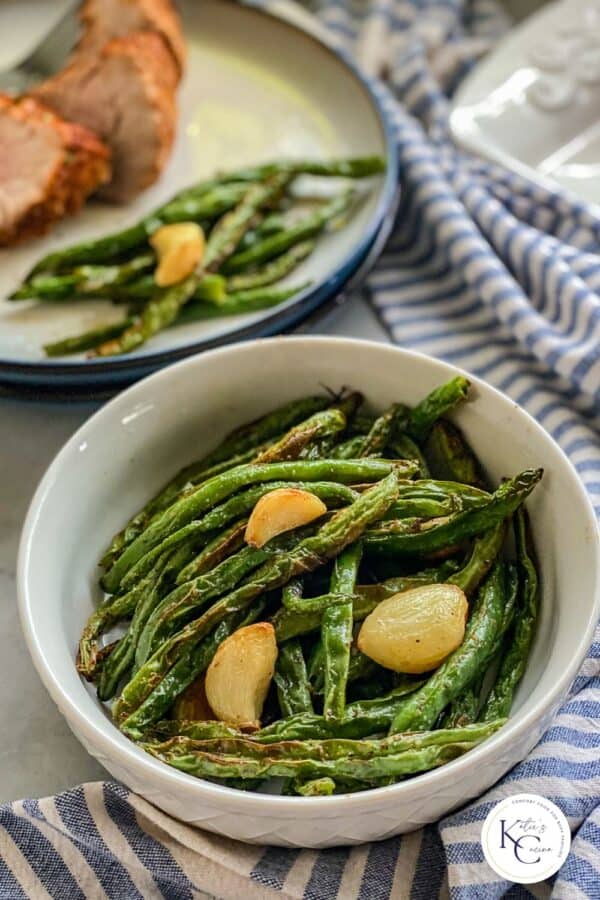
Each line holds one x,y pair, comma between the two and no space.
127,450
533,103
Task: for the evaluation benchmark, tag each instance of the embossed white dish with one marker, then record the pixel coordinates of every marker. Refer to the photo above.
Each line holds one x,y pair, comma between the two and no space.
257,88
533,103
127,450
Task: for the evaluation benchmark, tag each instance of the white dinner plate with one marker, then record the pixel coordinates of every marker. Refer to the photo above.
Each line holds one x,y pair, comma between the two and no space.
257,88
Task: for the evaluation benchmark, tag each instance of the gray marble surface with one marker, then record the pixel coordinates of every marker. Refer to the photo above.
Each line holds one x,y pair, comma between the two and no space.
38,754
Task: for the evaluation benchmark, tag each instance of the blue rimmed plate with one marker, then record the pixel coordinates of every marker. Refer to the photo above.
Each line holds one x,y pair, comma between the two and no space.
257,88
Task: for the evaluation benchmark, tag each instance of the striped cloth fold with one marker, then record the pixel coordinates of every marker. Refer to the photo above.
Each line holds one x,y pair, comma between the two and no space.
498,276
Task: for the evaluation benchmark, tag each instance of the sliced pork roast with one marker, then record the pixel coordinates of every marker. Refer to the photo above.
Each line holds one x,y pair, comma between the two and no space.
126,94
48,168
103,20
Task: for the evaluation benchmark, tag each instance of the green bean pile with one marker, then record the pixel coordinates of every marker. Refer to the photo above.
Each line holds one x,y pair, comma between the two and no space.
258,230
406,505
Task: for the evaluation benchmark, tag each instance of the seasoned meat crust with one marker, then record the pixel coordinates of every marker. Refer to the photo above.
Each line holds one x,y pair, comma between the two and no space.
48,167
107,121
103,20
126,94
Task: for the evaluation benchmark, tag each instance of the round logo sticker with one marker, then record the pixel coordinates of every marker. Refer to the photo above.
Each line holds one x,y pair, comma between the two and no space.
525,838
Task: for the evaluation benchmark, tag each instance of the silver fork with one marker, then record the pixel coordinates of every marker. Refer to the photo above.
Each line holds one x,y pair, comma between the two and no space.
46,58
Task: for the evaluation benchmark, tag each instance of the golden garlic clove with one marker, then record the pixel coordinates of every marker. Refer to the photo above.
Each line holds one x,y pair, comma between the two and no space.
192,704
238,678
416,630
180,249
281,510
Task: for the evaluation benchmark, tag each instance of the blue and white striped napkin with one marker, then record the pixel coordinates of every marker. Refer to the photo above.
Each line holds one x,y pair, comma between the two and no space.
502,278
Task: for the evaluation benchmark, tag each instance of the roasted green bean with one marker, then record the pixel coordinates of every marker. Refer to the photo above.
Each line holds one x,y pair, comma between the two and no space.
291,680
450,456
272,271
276,244
520,638
239,303
437,404
362,760
429,535
87,279
336,632
381,430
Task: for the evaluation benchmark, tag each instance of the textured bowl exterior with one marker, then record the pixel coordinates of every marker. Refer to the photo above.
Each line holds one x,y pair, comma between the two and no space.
376,821
123,453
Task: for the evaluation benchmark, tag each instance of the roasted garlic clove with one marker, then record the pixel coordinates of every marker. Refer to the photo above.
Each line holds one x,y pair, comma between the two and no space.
238,678
416,630
179,248
192,703
281,510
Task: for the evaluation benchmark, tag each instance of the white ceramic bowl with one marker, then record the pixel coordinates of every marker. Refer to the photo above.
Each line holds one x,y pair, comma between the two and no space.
126,451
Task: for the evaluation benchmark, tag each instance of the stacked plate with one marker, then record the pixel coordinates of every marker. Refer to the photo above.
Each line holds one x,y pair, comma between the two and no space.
257,88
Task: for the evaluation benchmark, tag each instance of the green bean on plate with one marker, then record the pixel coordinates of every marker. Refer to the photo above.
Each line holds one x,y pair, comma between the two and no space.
222,247
328,597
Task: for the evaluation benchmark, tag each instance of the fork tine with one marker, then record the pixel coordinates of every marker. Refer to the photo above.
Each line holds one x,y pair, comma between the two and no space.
48,57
